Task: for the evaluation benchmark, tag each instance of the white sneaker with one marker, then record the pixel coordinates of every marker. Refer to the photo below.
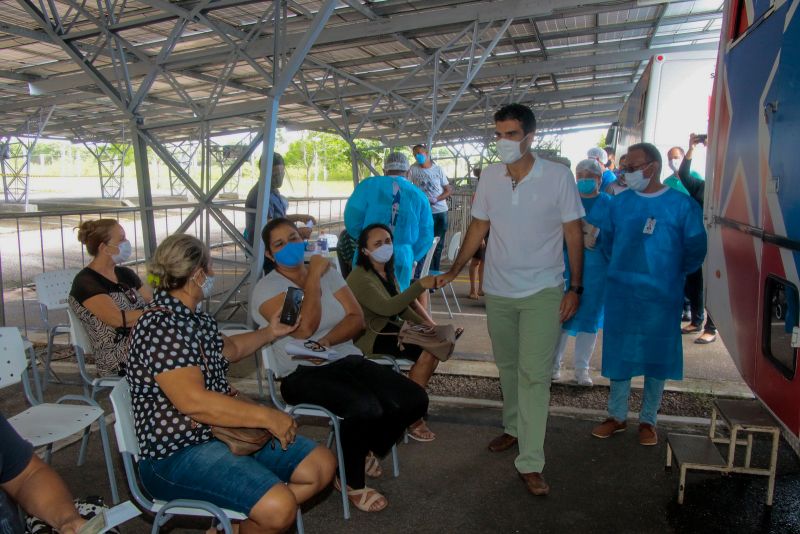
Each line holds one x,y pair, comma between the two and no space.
556,374
582,377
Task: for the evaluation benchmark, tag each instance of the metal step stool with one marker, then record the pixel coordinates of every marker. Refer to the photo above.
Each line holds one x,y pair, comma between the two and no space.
700,453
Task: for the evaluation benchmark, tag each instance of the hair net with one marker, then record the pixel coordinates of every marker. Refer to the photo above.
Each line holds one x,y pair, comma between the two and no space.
592,166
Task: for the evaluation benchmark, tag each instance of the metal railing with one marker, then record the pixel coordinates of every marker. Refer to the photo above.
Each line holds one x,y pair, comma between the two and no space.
36,242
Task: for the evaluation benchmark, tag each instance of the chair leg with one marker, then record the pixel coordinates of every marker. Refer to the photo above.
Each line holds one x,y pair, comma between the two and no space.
112,481
299,521
342,474
50,338
48,453
37,384
453,290
84,446
444,296
395,461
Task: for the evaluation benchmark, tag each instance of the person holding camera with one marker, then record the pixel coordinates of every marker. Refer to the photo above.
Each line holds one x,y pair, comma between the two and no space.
696,187
375,403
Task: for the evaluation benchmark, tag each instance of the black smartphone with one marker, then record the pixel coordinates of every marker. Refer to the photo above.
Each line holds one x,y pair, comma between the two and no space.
291,305
702,138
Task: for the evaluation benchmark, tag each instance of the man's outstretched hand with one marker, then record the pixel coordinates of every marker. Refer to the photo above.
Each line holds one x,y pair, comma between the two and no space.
444,279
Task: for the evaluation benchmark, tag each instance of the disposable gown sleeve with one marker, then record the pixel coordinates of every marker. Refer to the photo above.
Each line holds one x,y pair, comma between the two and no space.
606,225
425,237
695,242
355,210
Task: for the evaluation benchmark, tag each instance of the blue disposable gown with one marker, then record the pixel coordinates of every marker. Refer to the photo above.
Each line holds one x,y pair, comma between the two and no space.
590,312
644,289
400,205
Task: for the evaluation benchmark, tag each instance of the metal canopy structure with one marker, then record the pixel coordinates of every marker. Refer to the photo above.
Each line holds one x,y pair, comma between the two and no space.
394,70
166,77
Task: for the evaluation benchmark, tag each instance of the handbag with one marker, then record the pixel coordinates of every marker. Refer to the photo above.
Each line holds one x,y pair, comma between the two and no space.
241,441
439,340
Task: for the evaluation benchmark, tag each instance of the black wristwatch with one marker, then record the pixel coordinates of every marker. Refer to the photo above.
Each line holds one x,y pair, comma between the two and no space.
578,290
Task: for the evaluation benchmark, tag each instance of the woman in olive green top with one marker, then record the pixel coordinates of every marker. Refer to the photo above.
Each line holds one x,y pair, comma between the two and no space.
385,308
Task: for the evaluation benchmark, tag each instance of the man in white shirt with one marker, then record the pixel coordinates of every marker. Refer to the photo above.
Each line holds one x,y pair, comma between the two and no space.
532,206
429,177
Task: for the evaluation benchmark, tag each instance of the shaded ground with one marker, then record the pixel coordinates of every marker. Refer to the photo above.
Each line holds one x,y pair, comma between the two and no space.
455,485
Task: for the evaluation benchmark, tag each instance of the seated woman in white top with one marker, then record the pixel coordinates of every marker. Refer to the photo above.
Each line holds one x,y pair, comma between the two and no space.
375,403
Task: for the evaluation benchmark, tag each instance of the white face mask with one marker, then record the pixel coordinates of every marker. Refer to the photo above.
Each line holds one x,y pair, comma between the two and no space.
207,286
636,180
125,250
383,253
509,151
675,164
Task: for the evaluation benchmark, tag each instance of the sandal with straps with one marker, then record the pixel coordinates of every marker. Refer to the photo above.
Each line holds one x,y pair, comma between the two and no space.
364,499
372,466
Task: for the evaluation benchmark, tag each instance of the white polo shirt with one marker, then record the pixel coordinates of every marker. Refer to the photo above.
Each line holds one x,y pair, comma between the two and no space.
525,252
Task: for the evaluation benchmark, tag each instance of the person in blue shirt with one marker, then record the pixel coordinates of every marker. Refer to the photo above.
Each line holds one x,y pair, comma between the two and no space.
583,326
652,237
397,203
278,204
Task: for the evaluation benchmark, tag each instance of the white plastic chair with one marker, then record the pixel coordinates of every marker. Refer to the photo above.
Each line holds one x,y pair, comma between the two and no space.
315,410
83,346
128,446
52,291
452,252
43,424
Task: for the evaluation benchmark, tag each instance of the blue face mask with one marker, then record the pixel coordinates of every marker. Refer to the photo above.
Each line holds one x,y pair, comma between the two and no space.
420,158
587,186
291,255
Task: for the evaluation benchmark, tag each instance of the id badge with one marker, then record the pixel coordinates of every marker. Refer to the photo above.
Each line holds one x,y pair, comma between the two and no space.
649,226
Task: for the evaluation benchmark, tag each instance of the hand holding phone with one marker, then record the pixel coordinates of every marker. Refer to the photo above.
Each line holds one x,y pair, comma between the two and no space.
291,305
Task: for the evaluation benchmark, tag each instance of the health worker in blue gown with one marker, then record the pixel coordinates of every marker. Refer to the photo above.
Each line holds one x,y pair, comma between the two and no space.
653,237
584,325
394,201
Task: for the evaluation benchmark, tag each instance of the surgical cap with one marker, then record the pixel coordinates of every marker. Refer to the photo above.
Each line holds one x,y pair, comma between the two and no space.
592,166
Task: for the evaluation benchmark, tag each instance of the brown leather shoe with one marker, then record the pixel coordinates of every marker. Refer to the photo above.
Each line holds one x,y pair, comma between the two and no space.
502,443
535,483
647,435
608,428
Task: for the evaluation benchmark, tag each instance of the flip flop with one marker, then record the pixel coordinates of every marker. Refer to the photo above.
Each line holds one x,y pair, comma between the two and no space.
459,332
415,434
473,296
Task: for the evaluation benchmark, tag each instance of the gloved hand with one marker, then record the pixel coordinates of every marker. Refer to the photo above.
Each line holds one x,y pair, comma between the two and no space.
590,233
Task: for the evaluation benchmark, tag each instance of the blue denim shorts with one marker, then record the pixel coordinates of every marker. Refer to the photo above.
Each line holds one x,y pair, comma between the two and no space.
211,472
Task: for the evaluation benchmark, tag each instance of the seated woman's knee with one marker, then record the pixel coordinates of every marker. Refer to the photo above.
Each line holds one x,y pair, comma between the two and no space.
276,509
318,467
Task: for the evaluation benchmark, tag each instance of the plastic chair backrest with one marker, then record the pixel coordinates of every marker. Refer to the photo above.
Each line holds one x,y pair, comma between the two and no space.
426,264
454,246
77,332
12,357
53,287
124,428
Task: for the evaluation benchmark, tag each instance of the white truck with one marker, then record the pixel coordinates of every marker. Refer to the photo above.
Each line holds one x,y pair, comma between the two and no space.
670,101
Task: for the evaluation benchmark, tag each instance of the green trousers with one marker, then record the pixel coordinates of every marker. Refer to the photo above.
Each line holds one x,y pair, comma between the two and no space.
524,334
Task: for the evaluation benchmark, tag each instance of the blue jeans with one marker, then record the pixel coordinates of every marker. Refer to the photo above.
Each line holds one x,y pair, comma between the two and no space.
211,472
651,400
440,231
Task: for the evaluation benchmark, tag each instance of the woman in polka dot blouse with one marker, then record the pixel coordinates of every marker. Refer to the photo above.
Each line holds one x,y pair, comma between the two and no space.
177,369
375,403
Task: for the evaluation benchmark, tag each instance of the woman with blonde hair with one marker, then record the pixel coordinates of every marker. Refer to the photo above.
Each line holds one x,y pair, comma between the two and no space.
107,297
177,370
